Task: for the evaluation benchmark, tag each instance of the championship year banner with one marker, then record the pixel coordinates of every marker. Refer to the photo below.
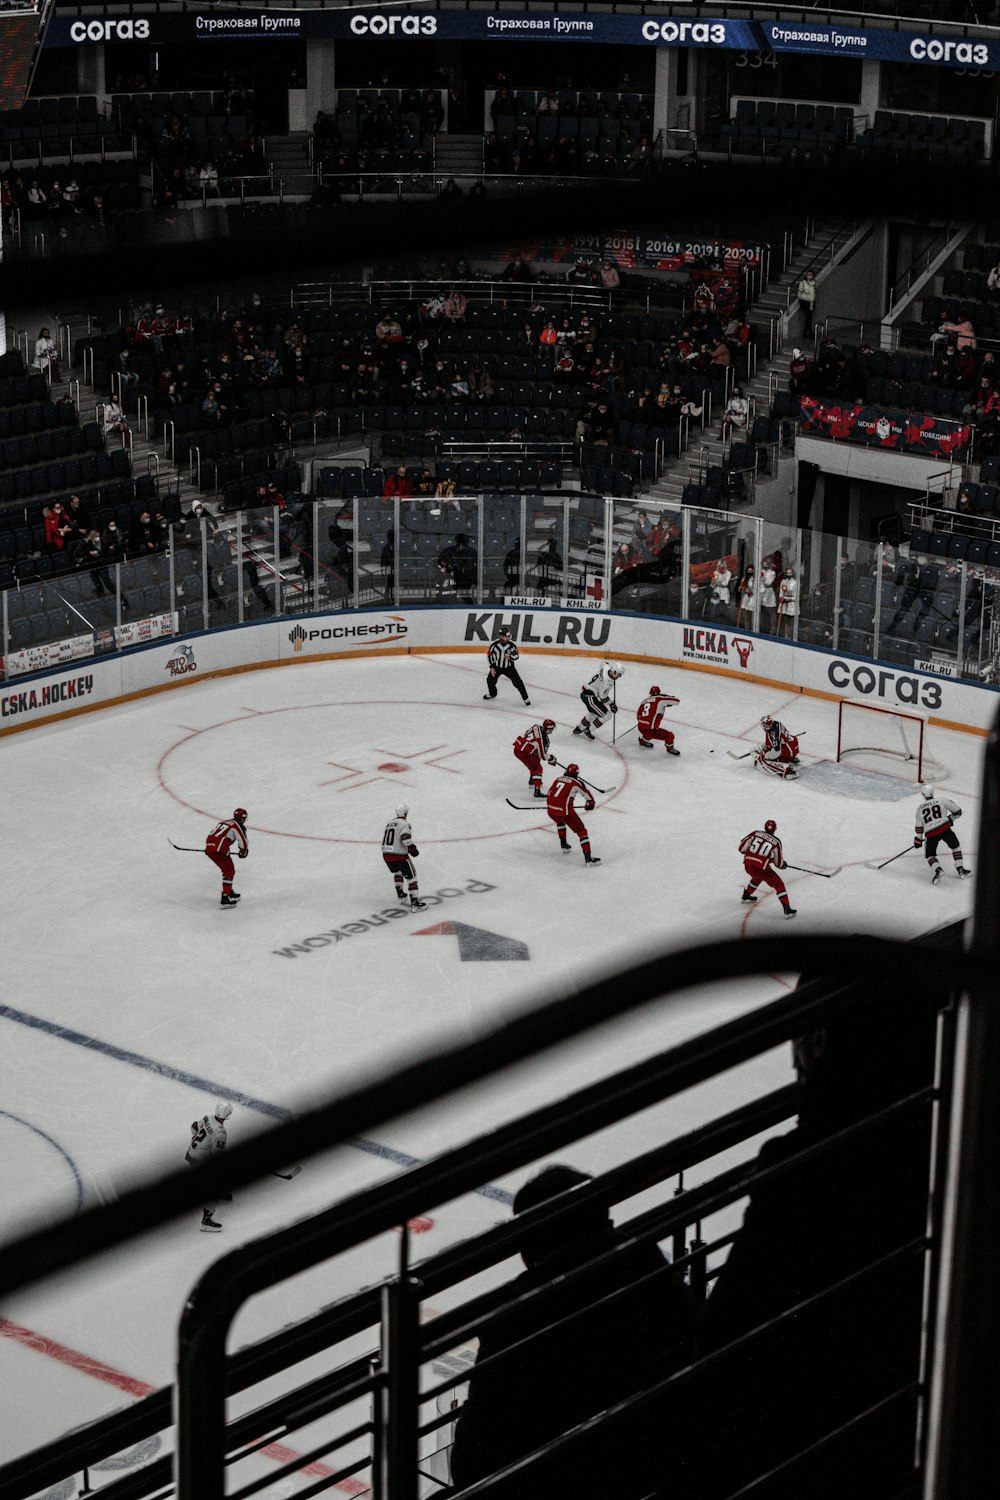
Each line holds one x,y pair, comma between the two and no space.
877,43
896,431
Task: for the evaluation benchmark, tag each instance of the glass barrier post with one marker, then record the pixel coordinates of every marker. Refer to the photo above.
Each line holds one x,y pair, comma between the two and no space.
793,634
240,567
609,522
522,572
118,598
686,563
963,594
758,564
279,603
565,550
203,526
877,622
479,547
836,592
315,555
395,551
172,575
6,637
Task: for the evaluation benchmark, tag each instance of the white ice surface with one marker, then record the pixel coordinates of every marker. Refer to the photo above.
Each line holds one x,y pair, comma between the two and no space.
113,935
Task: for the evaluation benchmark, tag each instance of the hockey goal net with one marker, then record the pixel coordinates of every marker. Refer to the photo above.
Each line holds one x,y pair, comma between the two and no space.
890,740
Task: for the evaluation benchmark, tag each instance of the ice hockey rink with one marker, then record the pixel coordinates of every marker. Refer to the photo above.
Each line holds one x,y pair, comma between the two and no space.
129,1001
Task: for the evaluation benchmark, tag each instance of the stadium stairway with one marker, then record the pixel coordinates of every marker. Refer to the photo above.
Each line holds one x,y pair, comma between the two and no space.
288,159
707,450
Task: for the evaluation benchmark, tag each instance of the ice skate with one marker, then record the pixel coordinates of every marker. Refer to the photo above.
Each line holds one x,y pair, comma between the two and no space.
591,859
646,744
229,898
790,911
416,904
672,751
208,1224
537,792
937,875
587,731
527,702
564,848
963,873
401,895
748,896
578,729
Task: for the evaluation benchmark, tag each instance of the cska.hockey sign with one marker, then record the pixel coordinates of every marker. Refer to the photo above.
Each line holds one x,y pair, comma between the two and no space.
716,646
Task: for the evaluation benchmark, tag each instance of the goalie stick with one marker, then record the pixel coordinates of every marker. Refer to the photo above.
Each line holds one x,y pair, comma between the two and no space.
733,756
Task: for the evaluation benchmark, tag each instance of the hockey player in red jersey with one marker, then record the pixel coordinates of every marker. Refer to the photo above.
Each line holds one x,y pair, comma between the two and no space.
779,753
531,748
762,859
650,716
563,813
226,839
935,818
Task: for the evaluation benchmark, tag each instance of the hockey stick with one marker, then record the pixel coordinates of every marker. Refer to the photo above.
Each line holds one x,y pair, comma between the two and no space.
823,874
184,848
629,729
517,806
895,856
604,790
740,757
614,709
287,1176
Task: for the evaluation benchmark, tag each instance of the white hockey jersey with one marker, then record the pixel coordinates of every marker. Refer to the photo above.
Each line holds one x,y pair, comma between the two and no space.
397,838
936,815
599,686
208,1135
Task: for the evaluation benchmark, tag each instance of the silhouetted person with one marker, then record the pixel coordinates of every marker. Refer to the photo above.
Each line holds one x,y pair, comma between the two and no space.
561,1375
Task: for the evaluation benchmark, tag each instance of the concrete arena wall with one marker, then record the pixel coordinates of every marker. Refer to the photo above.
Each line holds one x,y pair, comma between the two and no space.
102,681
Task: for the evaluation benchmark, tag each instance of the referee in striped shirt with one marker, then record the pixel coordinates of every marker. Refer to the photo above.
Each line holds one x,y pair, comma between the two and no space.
501,656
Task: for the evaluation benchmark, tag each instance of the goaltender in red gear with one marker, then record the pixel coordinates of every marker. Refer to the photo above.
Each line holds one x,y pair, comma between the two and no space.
650,719
226,839
762,859
562,812
531,747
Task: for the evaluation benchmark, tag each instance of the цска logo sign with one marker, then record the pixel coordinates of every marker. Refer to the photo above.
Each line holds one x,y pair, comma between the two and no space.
380,633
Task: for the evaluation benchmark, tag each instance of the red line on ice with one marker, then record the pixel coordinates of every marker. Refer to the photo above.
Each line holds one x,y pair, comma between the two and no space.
62,1354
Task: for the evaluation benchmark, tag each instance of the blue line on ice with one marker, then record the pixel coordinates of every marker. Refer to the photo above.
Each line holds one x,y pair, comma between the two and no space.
206,1085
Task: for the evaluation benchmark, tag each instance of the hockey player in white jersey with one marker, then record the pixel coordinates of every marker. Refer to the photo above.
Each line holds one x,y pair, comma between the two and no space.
208,1136
935,817
598,697
399,851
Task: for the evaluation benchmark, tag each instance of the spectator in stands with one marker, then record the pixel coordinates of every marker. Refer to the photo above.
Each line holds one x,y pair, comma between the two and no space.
641,531
213,409
582,1343
746,589
798,371
806,294
720,356
451,189
550,564
388,330
87,556
463,559
115,420
251,577
722,578
768,594
517,270
78,517
398,483
47,355
816,1370
512,566
946,365
446,587
548,338
431,112
37,200
962,333
788,607
113,542
455,307
481,384
142,537
736,414
208,180
502,104
57,526
610,278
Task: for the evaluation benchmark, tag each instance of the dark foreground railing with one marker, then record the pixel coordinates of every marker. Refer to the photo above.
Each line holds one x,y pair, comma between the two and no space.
380,1412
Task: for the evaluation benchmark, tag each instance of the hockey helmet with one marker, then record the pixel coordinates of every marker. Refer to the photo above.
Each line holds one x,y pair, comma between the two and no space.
240,814
766,721
770,826
614,669
223,1110
504,631
654,692
402,810
548,725
927,792
572,769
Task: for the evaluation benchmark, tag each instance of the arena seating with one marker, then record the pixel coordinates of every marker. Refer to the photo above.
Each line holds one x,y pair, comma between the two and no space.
936,139
776,125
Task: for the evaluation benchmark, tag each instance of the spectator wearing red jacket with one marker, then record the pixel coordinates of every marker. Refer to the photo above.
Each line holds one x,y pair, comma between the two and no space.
398,484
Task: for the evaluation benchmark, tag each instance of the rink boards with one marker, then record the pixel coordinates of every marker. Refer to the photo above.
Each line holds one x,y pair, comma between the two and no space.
99,681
